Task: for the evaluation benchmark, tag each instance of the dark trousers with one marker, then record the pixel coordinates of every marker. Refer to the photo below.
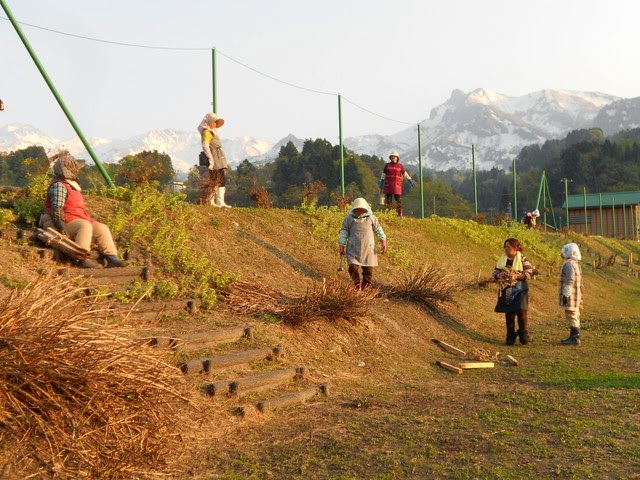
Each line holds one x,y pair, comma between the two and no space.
391,197
367,276
523,321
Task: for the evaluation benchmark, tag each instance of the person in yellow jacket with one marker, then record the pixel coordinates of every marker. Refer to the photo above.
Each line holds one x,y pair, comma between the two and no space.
212,150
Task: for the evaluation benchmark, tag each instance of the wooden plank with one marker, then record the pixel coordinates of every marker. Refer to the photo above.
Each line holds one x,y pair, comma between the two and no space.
154,306
202,339
449,348
512,360
449,367
468,365
291,398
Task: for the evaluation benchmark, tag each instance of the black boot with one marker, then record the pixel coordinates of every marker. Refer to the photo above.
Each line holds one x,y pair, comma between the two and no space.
88,263
574,337
523,324
114,262
511,330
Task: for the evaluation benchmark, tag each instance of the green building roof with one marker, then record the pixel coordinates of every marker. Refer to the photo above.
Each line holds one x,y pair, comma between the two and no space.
608,199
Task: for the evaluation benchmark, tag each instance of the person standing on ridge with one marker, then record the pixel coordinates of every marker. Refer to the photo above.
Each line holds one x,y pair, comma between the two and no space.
215,157
391,181
570,295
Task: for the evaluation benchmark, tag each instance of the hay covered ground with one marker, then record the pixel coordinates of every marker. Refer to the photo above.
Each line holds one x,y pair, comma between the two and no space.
562,413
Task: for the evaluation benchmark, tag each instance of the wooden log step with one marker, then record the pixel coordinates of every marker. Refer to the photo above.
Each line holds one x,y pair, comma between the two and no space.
176,306
197,341
264,381
291,398
132,271
218,390
228,360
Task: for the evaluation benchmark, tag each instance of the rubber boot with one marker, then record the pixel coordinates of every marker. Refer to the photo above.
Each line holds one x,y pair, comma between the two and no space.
511,330
523,331
213,201
574,337
400,212
114,262
220,197
88,263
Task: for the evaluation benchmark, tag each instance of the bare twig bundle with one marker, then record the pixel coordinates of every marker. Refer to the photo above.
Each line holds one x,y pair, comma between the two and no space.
259,195
78,398
311,190
251,298
429,287
331,300
342,201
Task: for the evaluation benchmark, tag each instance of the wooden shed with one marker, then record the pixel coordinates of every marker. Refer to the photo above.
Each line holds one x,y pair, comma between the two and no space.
611,214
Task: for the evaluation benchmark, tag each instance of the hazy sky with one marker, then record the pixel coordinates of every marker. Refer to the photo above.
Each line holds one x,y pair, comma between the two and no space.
397,58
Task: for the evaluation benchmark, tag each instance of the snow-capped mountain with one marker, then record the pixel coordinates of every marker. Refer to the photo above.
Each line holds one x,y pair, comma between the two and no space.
183,147
619,115
498,125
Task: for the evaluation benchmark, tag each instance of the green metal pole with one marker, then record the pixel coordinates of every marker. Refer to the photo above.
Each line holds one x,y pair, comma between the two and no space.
515,193
601,223
341,147
420,173
613,216
475,186
542,177
544,200
57,96
566,199
214,103
586,220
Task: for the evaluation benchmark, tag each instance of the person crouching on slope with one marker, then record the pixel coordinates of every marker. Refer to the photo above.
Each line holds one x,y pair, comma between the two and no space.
571,291
357,237
512,272
391,181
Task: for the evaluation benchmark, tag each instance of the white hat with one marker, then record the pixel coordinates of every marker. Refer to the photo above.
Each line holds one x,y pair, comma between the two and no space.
360,203
571,250
395,154
213,118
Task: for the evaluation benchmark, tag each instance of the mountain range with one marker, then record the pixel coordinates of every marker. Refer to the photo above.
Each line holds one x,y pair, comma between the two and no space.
498,125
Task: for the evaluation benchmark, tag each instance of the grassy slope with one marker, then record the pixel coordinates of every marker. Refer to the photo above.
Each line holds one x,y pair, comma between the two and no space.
564,413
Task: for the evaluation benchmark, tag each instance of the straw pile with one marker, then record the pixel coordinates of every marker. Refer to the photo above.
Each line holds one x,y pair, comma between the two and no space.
330,300
259,195
78,399
429,287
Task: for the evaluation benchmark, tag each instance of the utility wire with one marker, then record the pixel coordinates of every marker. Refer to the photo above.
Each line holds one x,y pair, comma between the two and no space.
157,47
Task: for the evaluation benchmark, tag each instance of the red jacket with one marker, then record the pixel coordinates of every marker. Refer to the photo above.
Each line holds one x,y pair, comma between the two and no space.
74,207
393,174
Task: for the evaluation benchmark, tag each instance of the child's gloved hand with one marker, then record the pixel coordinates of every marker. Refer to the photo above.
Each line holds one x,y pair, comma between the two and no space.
341,249
412,183
381,183
383,245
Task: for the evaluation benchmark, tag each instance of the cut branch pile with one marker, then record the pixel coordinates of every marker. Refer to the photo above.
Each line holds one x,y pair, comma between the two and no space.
330,300
260,195
429,287
78,398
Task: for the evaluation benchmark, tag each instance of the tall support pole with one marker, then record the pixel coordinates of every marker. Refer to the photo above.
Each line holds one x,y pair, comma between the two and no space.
566,199
544,200
420,174
601,222
55,93
214,85
542,177
613,216
341,146
475,184
586,220
515,192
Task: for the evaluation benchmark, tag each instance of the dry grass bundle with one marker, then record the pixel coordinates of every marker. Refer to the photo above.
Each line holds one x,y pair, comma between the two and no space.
78,398
259,195
331,300
482,355
428,287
